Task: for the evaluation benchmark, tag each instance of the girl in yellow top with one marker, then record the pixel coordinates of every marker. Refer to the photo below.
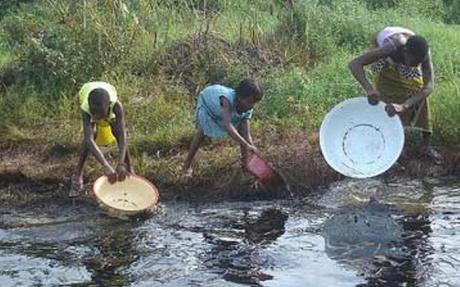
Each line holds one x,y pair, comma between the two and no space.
403,78
103,123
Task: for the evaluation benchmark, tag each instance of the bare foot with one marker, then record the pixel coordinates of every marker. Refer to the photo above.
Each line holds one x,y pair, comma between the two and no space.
257,185
187,174
76,185
433,154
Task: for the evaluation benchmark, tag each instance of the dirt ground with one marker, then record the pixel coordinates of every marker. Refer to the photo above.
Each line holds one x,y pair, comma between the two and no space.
30,171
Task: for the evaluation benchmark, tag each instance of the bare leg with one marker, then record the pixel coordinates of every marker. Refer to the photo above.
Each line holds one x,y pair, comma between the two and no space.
429,150
83,157
77,178
128,162
194,146
426,139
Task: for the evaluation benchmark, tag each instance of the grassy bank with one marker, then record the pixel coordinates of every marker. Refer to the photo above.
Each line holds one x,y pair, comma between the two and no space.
158,54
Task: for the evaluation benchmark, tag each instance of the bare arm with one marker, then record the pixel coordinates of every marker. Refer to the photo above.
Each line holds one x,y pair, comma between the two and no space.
245,132
356,66
357,69
89,140
428,83
231,130
119,125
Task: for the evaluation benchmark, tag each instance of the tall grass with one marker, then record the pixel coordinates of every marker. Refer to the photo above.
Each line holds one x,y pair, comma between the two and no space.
160,53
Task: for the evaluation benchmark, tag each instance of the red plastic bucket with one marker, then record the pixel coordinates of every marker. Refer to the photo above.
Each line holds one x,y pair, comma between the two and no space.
264,172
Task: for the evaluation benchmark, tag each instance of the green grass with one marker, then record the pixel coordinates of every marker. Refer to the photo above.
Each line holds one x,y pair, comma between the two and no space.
154,56
6,56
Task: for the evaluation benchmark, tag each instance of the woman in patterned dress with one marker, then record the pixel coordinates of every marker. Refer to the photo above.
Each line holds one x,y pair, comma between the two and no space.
403,78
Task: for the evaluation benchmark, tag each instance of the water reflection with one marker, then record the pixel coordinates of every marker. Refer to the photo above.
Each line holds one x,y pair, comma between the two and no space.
408,237
412,265
391,247
239,256
115,253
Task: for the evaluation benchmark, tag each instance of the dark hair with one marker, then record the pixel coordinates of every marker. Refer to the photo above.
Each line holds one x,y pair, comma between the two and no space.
98,97
249,87
418,47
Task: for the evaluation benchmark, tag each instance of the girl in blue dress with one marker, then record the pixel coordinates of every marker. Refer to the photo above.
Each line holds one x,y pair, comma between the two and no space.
222,110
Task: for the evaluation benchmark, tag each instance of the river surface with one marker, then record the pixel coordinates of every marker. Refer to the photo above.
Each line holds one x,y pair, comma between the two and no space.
208,244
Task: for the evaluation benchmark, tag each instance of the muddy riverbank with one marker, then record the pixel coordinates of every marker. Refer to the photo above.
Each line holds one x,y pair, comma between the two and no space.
34,170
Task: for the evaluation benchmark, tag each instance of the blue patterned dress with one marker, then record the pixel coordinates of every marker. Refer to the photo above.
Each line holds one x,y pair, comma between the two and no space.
209,110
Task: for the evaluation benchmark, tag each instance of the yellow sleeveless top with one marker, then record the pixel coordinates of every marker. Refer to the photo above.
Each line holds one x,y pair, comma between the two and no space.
86,90
104,135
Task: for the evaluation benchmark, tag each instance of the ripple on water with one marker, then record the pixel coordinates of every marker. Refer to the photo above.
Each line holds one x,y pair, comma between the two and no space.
206,245
21,270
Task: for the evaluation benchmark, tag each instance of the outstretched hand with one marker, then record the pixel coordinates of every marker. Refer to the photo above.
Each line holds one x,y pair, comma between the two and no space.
111,174
122,172
252,149
373,97
393,109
